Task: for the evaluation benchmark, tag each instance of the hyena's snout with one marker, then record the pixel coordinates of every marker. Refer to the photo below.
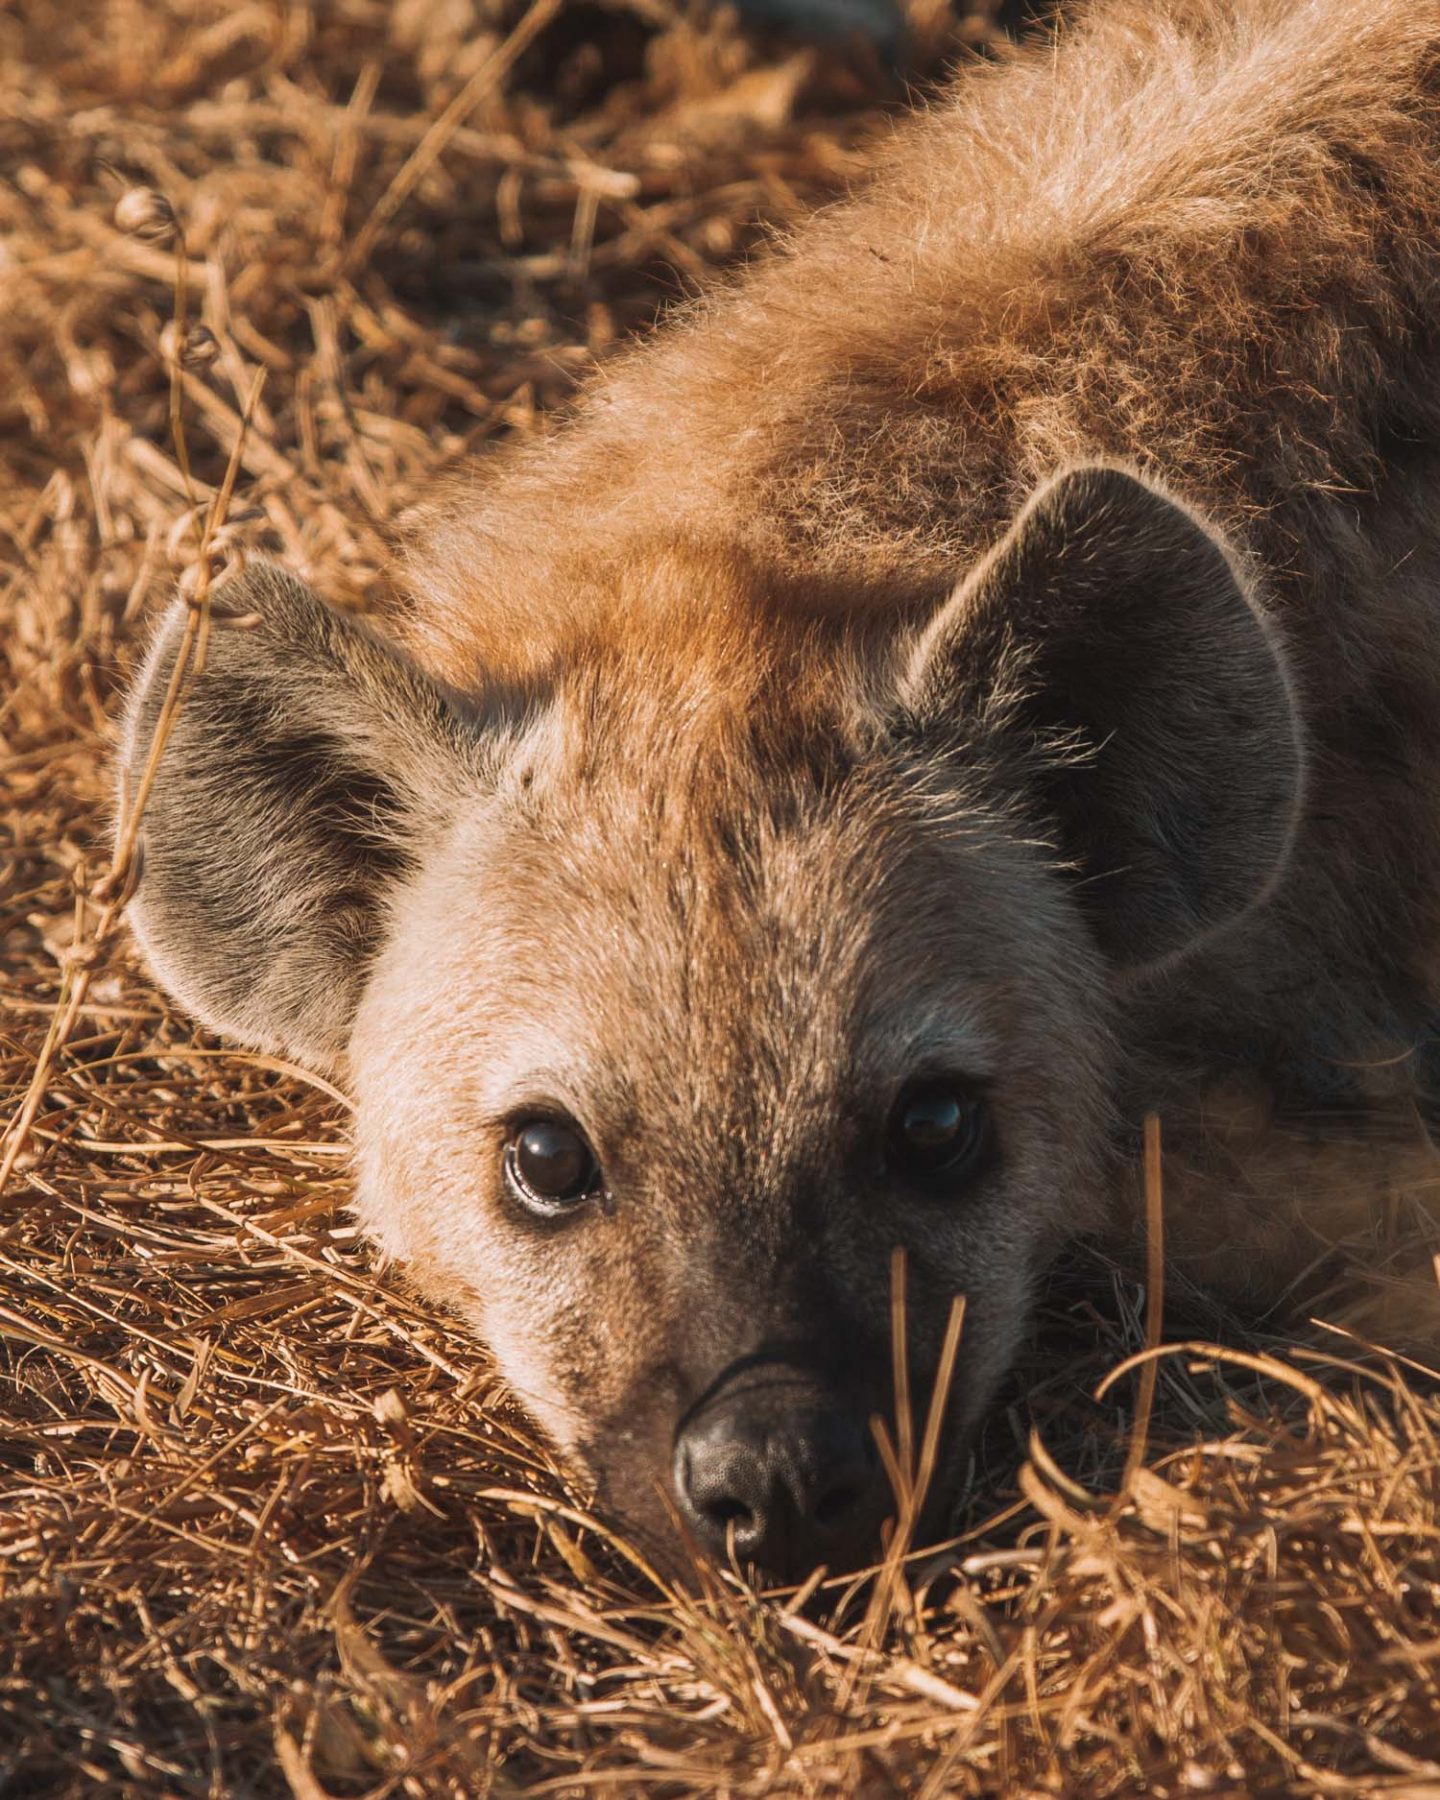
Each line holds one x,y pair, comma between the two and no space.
776,1470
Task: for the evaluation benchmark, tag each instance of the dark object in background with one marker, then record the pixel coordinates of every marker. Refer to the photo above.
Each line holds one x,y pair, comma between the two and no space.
880,23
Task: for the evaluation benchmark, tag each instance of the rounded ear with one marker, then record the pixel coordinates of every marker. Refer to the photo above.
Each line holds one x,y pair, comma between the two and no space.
306,767
1108,654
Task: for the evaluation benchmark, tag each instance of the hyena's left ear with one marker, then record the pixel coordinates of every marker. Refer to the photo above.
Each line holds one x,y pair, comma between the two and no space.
1108,652
307,767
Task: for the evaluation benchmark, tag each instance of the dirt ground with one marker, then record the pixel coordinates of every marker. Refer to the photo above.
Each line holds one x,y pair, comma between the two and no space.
269,1526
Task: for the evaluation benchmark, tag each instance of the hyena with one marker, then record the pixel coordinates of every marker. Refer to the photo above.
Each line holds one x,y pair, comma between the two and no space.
970,681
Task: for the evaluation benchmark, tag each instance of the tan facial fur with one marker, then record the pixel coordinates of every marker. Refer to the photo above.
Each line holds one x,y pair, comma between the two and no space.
723,951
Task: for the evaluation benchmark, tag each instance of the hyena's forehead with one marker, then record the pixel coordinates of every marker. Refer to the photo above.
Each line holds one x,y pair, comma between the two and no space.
758,932
627,924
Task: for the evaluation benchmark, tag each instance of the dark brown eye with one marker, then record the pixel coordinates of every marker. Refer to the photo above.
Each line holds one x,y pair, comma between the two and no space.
939,1131
550,1167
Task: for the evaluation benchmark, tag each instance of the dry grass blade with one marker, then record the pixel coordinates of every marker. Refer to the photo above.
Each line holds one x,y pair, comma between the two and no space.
268,1526
1154,1296
432,146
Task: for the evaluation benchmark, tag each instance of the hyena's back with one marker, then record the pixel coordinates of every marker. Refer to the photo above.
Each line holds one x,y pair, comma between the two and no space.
1201,235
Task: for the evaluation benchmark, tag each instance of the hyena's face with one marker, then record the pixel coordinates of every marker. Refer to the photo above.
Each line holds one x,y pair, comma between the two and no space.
656,1071
680,993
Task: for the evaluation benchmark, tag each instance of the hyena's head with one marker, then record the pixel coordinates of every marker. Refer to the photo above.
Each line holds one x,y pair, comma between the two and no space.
679,988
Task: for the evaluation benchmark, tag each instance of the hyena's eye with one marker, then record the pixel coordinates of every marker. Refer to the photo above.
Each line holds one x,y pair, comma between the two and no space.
939,1129
549,1167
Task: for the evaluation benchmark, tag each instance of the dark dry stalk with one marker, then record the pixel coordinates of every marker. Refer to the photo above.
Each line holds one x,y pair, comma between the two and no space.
1154,1297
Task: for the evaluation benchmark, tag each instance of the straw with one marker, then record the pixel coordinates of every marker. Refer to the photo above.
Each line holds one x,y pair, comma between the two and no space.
269,1524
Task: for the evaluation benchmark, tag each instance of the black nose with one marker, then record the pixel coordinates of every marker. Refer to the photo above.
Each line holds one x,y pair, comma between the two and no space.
787,1485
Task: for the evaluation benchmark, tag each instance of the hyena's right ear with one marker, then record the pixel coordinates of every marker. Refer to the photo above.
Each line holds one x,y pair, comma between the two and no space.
308,764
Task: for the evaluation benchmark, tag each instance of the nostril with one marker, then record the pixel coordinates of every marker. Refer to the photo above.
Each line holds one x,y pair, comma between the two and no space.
726,1510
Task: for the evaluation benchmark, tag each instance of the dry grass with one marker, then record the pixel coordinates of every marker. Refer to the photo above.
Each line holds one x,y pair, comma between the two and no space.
268,1526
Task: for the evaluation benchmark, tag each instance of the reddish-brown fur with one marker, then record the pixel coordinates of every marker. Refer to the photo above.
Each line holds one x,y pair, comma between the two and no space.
769,788
1200,237
1197,237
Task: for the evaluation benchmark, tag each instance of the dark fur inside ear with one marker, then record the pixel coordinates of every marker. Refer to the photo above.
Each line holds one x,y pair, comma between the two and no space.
1108,651
306,766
